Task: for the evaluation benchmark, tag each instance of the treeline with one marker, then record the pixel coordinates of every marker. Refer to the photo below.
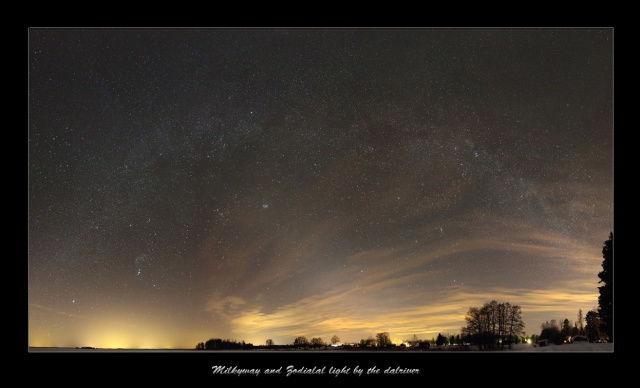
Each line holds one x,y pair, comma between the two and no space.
381,340
587,328
557,333
220,344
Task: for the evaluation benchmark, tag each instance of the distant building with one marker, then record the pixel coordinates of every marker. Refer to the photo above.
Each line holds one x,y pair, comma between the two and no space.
544,342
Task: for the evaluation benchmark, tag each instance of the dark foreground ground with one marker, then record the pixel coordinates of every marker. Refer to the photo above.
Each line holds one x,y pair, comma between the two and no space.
575,347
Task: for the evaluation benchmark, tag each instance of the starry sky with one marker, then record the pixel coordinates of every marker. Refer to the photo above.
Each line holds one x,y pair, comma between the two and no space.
268,183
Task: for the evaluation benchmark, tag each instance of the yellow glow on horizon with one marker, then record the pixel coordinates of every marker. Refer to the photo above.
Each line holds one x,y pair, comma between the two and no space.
115,341
349,313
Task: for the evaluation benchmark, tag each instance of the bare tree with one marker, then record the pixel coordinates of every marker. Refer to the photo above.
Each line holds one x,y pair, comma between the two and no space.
301,341
335,339
515,325
580,322
317,342
383,339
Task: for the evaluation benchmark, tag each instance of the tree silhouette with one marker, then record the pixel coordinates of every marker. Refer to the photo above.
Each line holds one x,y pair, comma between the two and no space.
551,331
566,327
383,339
301,341
580,323
605,299
441,340
593,325
269,342
335,339
514,322
369,342
317,342
414,341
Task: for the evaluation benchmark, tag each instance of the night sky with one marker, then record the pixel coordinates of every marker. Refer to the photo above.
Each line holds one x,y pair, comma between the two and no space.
254,184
